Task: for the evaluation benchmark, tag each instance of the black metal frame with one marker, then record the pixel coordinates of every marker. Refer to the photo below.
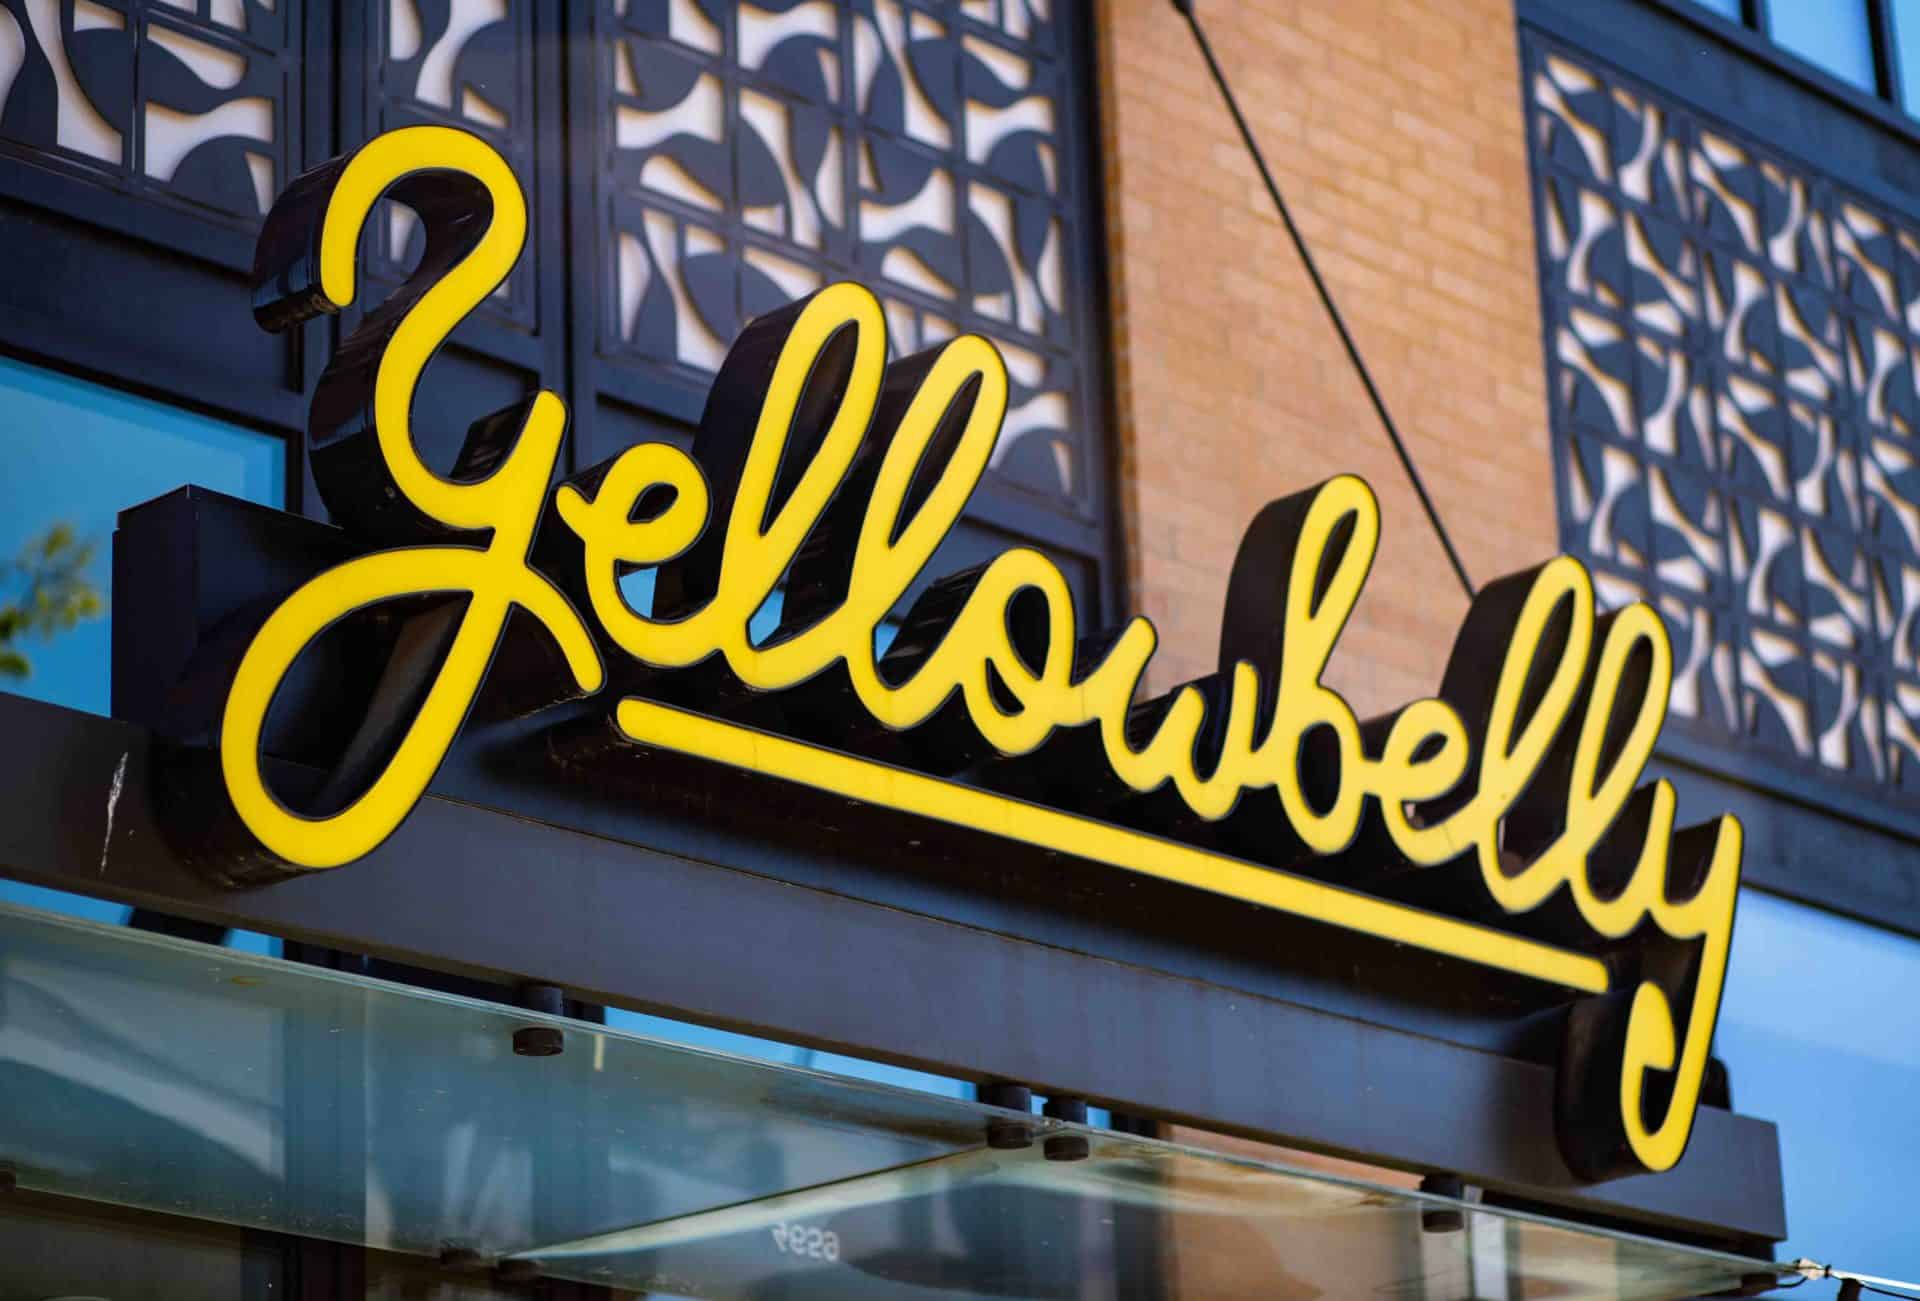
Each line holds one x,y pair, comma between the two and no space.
1837,137
817,953
1753,33
177,325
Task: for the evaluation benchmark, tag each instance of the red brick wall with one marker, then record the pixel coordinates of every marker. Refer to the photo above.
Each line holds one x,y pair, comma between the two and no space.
1395,133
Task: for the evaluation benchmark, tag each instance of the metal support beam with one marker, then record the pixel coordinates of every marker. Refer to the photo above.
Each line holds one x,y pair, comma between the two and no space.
482,893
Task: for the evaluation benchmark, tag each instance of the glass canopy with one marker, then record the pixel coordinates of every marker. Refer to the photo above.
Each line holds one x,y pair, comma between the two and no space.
160,1074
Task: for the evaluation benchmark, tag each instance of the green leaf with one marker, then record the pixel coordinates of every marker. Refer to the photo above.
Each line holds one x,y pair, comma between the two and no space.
54,596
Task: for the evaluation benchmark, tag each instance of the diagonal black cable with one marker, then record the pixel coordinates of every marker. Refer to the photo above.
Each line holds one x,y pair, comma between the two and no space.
1185,8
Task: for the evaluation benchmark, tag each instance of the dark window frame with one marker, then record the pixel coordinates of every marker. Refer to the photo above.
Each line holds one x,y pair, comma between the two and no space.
1752,36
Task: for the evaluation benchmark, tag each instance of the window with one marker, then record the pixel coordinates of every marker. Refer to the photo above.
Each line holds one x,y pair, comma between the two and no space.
931,151
73,455
1732,343
689,164
1905,20
1730,332
1867,44
1814,1013
1835,35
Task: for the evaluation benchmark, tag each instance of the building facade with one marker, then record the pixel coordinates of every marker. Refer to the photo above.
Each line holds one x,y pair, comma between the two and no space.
1682,358
1639,280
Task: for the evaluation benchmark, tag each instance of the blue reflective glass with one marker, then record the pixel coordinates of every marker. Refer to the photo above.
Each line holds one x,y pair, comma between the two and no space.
1821,1034
637,590
1725,8
153,1073
766,620
59,901
76,454
1905,18
1835,35
771,1050
267,946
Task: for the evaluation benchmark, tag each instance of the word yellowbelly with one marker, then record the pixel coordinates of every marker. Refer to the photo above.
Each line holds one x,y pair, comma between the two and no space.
816,453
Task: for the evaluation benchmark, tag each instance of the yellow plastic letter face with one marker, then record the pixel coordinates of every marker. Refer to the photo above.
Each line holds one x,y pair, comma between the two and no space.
494,578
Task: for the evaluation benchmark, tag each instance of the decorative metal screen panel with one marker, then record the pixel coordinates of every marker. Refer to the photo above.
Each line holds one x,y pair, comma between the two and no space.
188,102
466,64
755,151
1731,343
688,165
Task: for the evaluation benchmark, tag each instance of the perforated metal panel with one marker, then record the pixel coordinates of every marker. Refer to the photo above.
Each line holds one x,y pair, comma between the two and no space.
185,103
746,154
689,164
1731,339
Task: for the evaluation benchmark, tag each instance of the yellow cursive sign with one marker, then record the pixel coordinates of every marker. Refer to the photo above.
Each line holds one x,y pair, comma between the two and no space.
816,455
